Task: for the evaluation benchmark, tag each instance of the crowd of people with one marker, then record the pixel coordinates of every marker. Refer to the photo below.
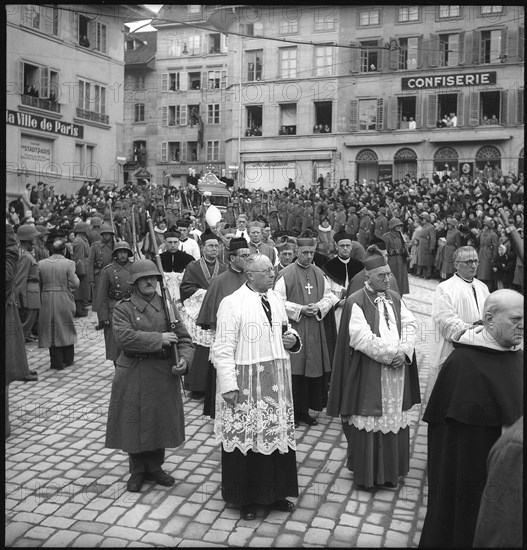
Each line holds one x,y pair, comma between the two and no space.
320,273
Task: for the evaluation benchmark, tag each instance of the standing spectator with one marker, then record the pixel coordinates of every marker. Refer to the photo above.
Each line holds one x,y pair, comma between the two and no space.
56,329
308,299
146,408
94,234
255,419
352,224
291,184
81,253
426,243
457,305
454,240
397,254
340,218
380,224
488,250
374,383
13,217
503,267
478,392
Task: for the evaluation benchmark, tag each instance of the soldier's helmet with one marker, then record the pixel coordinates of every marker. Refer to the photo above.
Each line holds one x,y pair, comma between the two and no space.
123,245
143,268
82,227
106,228
27,232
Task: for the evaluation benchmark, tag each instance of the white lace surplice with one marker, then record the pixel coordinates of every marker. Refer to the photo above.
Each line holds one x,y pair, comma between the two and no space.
383,349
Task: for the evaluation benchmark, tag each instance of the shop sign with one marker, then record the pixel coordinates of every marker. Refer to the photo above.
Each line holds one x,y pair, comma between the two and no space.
33,122
35,150
448,80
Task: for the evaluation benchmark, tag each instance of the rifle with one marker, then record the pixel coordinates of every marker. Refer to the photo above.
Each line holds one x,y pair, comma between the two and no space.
135,246
165,296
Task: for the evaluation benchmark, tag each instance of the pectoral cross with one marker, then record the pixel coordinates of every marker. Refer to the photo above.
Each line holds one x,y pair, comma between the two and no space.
308,287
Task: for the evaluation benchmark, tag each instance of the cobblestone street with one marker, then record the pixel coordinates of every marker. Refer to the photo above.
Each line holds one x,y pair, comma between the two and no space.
64,488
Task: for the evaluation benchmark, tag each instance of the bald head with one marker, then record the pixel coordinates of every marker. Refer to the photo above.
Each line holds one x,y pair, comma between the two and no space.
503,317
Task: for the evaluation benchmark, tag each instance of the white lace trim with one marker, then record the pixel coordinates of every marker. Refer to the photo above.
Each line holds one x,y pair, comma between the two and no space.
189,314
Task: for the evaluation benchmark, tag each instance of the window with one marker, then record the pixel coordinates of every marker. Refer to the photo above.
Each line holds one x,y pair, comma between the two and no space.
192,150
369,56
368,114
85,161
447,12
408,13
491,10
41,83
287,62
323,116
287,119
194,80
213,113
129,45
369,17
214,43
490,46
447,108
213,150
323,61
408,53
139,112
254,65
173,151
139,152
91,33
194,8
490,108
325,18
254,120
40,18
90,170
100,37
193,45
214,80
448,50
252,29
92,102
79,159
289,22
175,115
406,112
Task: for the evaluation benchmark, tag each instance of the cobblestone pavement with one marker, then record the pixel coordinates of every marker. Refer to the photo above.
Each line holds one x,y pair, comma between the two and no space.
64,488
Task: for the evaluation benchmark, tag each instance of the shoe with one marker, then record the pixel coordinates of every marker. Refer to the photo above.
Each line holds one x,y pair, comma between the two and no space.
62,367
32,377
135,483
161,478
31,339
297,423
197,395
309,420
283,505
364,488
248,512
388,485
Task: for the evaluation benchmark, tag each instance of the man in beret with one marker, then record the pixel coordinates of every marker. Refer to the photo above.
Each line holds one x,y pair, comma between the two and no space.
374,382
308,299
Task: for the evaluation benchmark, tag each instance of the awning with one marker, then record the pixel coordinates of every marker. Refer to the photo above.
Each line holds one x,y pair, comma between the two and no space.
466,138
287,156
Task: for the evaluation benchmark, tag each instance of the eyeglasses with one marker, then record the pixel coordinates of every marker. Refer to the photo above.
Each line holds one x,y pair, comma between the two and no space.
468,262
268,271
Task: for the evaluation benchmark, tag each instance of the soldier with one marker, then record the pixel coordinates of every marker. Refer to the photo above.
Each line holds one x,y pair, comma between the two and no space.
101,254
397,254
365,227
146,409
81,253
113,286
56,329
26,283
40,251
94,234
352,225
380,225
426,242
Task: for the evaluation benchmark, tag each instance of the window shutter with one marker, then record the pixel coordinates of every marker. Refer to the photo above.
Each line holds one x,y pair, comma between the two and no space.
394,56
21,86
431,111
504,50
76,25
420,51
419,111
468,57
391,113
164,151
164,116
224,45
475,47
183,115
355,58
204,81
521,42
519,105
183,151
223,81
460,109
91,33
354,115
380,114
44,82
504,106
461,46
183,81
473,119
380,55
164,82
433,53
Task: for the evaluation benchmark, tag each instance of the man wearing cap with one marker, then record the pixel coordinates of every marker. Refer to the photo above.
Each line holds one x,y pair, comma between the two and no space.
488,252
101,255
308,299
174,261
222,285
56,329
426,243
194,284
274,220
40,251
81,253
286,254
374,382
94,233
352,223
340,270
113,286
146,408
26,281
257,246
365,232
188,245
397,254
380,224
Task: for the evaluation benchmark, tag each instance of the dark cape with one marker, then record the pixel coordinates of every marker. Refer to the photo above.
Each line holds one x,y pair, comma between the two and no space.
336,270
356,378
175,262
194,279
477,391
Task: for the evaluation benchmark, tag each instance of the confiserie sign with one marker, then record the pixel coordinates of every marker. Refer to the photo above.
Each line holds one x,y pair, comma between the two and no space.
448,80
25,120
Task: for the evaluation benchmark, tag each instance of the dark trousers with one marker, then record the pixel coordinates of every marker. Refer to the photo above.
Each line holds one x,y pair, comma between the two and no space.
309,393
61,356
28,318
148,461
81,308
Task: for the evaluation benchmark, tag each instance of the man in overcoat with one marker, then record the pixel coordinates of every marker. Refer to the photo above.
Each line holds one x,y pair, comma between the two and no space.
81,253
101,255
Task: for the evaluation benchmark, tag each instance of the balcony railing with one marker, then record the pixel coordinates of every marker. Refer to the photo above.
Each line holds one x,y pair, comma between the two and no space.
93,116
41,103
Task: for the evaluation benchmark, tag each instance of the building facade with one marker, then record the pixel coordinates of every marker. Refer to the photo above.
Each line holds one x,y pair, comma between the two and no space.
64,94
369,92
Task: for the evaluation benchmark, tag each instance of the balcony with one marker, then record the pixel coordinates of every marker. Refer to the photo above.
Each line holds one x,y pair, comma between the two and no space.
93,116
41,103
